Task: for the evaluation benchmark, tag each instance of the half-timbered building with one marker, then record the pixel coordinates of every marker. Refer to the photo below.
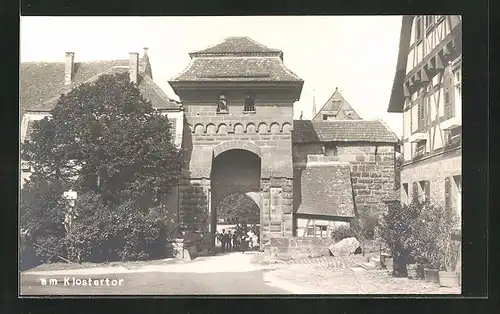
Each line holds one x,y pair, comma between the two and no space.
427,90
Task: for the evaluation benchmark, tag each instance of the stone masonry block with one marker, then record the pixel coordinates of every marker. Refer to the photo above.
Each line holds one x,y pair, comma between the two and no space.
359,186
375,186
360,158
365,180
364,192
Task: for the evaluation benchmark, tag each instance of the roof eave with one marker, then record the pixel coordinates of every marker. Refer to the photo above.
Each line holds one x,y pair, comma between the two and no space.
397,96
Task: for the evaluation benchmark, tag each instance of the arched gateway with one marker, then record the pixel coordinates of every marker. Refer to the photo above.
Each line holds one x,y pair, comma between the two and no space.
238,101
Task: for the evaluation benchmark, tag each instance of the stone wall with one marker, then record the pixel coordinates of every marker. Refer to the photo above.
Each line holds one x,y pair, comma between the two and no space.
193,207
372,169
295,248
277,207
435,170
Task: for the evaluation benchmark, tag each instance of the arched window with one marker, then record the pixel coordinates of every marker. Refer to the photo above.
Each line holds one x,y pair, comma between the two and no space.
249,104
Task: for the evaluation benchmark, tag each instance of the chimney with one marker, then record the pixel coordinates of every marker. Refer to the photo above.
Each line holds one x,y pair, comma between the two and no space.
314,111
69,61
133,66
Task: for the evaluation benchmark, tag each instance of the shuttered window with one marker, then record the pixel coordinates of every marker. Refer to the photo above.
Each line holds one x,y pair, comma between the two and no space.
426,190
448,94
429,21
405,195
421,114
448,203
420,149
414,191
418,28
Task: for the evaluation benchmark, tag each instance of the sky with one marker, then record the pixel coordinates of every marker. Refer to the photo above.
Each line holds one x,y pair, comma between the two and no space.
357,54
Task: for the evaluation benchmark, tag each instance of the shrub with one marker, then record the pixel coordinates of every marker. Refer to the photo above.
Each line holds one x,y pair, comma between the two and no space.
342,232
41,217
27,254
123,233
429,234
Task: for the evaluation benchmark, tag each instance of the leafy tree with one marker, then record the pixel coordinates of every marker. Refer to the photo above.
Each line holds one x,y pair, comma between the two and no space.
104,137
240,208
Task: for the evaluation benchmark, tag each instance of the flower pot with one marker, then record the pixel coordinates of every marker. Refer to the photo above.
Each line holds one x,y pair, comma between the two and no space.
388,263
448,279
412,271
420,271
431,275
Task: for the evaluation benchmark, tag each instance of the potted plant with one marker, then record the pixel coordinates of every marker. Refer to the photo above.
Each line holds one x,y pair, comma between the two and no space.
448,276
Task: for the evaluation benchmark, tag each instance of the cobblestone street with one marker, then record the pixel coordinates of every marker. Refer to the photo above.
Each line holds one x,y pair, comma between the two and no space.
340,276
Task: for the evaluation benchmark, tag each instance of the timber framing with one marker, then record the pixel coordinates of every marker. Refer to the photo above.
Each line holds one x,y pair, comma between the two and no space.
436,61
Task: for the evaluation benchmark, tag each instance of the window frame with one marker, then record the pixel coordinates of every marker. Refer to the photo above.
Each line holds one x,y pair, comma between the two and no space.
331,146
421,148
429,22
419,29
249,104
406,193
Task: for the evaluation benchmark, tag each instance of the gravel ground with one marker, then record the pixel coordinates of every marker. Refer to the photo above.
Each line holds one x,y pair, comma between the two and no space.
128,265
335,280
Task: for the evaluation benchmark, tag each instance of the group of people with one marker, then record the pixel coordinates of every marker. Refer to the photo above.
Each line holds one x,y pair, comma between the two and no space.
242,239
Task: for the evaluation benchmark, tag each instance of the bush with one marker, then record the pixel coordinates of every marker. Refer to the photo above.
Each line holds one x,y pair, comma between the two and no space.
364,226
429,234
342,232
27,255
116,233
41,217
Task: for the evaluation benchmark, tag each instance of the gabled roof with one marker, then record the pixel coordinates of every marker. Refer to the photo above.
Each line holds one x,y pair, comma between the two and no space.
41,83
334,104
397,94
238,45
326,191
396,100
236,59
376,131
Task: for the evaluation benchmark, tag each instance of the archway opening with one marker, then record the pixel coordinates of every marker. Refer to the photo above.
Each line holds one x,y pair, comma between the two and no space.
235,190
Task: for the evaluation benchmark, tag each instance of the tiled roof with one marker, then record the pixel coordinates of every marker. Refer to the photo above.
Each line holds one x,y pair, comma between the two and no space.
151,91
306,131
335,103
237,45
237,69
237,59
41,83
326,191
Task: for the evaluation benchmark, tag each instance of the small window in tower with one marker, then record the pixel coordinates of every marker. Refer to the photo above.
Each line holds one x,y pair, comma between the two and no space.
325,117
249,104
331,149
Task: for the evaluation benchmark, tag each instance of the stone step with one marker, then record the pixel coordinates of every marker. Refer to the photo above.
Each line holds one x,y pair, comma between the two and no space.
368,266
376,261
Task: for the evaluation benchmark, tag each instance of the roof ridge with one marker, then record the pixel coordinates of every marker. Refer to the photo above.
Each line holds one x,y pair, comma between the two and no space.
183,71
261,44
387,127
157,88
288,70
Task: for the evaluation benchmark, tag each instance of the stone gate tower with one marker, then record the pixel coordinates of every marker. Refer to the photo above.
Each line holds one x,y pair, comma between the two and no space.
238,101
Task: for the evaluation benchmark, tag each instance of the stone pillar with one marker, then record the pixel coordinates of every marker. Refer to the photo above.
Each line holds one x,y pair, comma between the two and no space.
194,204
277,209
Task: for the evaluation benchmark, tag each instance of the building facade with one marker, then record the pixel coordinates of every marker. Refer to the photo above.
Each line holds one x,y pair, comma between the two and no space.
427,90
235,125
42,83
